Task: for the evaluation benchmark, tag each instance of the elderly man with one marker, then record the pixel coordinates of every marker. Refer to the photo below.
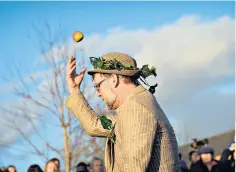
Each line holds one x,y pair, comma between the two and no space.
96,165
139,137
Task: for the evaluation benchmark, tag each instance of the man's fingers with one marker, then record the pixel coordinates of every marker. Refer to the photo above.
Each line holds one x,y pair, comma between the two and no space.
79,77
70,60
72,64
83,70
70,71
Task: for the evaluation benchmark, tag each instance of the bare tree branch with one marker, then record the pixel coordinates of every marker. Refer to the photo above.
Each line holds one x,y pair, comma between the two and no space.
15,127
39,101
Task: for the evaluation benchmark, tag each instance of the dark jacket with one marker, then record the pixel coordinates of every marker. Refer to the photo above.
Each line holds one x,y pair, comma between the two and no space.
183,166
199,166
184,169
191,166
224,164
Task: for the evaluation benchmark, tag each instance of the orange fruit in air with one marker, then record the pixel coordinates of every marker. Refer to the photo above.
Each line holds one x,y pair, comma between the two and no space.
78,36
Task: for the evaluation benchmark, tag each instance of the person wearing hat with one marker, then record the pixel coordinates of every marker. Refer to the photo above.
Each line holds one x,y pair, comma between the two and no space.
139,136
206,162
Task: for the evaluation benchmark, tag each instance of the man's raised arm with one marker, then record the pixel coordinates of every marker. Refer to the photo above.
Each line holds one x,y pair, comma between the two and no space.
77,103
86,115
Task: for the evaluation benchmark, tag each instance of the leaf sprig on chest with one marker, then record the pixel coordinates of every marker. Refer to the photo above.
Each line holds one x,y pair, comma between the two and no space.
107,124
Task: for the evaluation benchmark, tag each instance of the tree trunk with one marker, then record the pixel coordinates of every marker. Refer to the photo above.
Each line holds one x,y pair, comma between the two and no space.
67,150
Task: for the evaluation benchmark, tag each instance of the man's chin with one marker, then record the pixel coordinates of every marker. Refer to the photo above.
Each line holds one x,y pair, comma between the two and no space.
108,107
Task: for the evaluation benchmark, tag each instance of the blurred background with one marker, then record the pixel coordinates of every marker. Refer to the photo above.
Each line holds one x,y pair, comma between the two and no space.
192,44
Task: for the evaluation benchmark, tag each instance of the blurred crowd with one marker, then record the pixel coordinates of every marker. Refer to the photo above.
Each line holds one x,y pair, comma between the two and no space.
53,165
203,160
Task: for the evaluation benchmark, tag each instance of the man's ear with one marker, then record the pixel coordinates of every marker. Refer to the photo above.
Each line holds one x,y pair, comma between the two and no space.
115,80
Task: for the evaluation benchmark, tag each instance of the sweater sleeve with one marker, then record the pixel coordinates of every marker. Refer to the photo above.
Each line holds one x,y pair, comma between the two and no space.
86,115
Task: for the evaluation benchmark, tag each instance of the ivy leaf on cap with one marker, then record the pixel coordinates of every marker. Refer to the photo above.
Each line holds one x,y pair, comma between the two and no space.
153,71
145,71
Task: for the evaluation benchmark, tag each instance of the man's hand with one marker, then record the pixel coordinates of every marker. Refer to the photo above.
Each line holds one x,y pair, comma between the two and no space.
72,78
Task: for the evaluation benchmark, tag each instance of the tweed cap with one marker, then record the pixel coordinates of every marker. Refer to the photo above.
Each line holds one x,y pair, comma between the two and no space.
123,59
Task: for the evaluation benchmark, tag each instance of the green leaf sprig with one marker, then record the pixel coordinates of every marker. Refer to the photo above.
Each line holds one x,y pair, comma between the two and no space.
146,72
107,124
114,64
109,64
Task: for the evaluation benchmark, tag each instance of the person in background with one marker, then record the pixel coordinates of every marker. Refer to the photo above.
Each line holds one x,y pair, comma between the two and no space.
82,167
182,164
34,168
51,166
97,165
57,161
11,168
193,157
3,170
89,167
206,162
227,161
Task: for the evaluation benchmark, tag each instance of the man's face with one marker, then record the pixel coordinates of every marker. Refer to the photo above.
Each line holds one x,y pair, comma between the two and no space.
206,157
104,90
194,157
97,166
11,169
